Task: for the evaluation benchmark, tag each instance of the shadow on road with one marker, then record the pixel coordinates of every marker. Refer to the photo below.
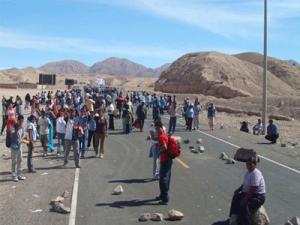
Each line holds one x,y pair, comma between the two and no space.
133,181
54,167
226,222
131,203
264,143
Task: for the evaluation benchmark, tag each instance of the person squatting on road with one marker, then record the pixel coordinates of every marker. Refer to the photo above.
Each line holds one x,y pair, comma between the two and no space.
250,196
272,132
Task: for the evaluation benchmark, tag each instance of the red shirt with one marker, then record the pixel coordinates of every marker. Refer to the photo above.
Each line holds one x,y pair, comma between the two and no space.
163,140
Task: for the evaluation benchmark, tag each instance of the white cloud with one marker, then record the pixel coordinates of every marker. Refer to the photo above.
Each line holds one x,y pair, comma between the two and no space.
230,18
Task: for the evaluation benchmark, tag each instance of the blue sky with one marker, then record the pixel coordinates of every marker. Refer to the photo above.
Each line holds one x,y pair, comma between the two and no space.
151,32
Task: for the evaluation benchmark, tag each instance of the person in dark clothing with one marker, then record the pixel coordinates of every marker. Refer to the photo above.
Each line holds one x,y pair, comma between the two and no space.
244,127
141,113
272,132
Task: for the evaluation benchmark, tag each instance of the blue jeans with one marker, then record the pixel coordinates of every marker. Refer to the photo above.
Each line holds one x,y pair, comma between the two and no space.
82,141
172,124
165,179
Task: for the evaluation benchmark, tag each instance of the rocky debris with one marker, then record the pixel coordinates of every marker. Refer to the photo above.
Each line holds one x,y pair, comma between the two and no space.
280,117
230,161
57,199
222,126
260,217
194,151
157,217
283,145
60,208
118,190
223,156
199,141
191,147
294,144
186,141
293,221
144,217
66,194
175,215
201,149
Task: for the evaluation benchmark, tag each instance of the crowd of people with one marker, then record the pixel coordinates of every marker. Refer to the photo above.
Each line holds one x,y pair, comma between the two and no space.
80,120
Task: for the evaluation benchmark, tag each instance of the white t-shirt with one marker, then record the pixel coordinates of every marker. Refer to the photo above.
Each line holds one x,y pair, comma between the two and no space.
110,109
61,125
30,126
254,179
69,129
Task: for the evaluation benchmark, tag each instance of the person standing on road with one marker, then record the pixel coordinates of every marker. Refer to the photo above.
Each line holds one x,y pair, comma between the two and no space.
18,105
44,125
27,101
110,111
61,132
250,196
141,113
73,133
165,165
100,134
91,131
211,115
4,115
17,133
11,116
190,117
197,110
32,135
173,117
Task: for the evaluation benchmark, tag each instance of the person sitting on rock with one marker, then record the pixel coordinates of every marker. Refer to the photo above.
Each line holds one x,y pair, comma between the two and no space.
244,127
272,132
258,128
250,196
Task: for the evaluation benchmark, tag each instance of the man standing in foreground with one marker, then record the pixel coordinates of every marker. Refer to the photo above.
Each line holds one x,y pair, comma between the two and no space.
44,124
165,165
72,139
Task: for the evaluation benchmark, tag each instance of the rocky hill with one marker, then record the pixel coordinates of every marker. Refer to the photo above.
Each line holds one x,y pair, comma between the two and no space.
65,67
125,67
284,70
219,75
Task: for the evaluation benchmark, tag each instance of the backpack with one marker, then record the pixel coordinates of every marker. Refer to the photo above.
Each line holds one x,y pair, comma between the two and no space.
173,147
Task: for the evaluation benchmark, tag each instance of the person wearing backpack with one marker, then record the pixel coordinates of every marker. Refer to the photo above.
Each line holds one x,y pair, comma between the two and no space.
17,133
165,165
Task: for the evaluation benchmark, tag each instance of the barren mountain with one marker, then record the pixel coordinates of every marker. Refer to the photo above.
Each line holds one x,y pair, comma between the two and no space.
65,67
219,75
28,74
160,69
284,70
124,67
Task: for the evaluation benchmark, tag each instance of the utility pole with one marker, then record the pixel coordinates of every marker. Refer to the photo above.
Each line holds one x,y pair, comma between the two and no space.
264,102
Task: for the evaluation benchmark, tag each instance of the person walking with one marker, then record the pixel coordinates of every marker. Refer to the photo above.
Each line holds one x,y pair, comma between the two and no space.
189,117
32,136
27,101
61,132
17,134
100,134
211,115
18,105
110,111
44,125
82,120
51,131
91,131
73,133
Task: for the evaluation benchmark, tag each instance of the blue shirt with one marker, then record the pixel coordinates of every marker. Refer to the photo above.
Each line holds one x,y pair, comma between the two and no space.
190,113
272,129
92,124
211,112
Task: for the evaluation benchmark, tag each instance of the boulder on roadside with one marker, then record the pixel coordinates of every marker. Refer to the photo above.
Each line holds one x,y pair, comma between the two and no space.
60,208
283,145
199,141
57,199
186,141
175,215
293,221
118,190
144,217
66,194
223,156
260,217
157,217
201,149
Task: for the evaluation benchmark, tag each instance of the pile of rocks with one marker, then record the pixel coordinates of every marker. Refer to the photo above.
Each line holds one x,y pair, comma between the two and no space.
57,204
226,158
173,215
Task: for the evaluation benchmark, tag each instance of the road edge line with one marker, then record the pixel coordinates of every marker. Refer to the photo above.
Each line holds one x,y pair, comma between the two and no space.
72,218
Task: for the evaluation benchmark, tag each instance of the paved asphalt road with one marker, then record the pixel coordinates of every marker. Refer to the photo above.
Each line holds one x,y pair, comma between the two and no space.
202,192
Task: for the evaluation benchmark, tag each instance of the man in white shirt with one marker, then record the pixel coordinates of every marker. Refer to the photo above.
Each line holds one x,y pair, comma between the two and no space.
44,124
250,196
61,131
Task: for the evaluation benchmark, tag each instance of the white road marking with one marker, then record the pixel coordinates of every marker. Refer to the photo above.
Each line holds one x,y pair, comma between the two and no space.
72,218
236,146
